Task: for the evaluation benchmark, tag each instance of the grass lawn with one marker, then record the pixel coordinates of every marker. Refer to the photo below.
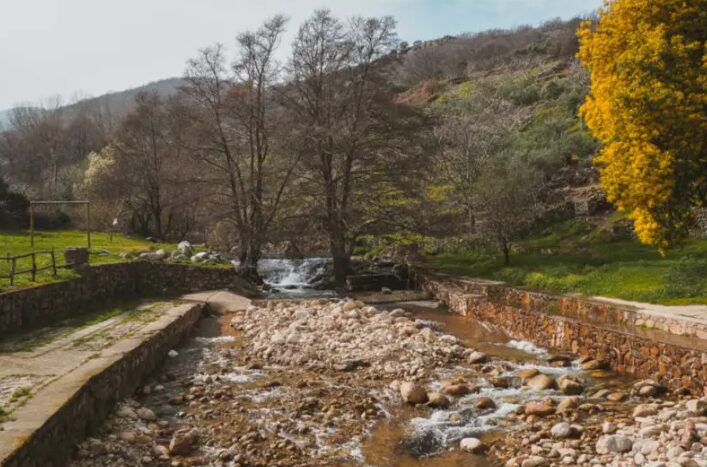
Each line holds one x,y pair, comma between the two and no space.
573,257
103,250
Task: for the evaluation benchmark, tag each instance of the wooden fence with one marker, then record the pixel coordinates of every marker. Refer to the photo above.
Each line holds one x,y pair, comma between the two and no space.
12,260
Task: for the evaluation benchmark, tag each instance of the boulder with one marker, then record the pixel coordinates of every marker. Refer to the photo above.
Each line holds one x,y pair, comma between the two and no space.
146,414
477,357
413,393
613,444
457,390
438,400
185,248
594,364
540,408
472,445
484,403
534,461
569,385
563,430
645,410
527,373
697,407
540,382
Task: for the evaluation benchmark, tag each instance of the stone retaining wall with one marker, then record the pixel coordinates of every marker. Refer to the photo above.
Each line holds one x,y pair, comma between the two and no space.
41,305
65,413
670,350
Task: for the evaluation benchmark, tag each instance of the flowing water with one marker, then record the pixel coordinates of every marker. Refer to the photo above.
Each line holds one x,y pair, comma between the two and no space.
296,278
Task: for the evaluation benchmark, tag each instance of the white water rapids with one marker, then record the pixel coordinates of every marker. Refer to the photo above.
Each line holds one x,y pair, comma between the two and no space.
296,277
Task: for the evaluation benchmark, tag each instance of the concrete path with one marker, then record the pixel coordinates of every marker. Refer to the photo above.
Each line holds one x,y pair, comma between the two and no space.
696,313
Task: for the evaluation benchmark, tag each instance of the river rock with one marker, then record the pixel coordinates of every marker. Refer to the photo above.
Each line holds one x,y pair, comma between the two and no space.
540,382
613,444
457,390
484,403
473,445
645,410
438,400
527,373
594,364
182,442
146,414
697,407
567,404
534,461
569,385
539,408
477,357
561,430
413,393
608,428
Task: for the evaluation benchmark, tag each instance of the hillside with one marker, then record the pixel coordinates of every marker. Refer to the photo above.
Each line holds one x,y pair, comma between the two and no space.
119,102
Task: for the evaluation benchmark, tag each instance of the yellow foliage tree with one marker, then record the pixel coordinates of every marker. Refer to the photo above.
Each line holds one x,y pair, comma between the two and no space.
647,106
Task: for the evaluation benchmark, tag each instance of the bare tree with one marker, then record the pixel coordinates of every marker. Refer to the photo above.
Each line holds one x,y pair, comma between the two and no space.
333,75
234,132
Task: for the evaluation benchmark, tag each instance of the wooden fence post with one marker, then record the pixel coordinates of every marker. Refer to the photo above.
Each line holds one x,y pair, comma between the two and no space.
34,266
12,271
53,262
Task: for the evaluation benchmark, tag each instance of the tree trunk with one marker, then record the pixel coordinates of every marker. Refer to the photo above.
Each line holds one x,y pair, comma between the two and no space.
505,248
249,257
340,256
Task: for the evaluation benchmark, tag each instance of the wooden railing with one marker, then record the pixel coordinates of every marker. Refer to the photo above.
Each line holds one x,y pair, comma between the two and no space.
14,272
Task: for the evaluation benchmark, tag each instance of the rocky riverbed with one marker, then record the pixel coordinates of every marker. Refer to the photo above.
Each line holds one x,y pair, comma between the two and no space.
329,382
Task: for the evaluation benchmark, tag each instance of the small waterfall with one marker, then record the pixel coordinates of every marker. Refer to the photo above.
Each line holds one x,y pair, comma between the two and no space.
297,277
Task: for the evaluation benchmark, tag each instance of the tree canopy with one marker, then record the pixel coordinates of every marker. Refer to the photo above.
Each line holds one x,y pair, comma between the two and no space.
647,106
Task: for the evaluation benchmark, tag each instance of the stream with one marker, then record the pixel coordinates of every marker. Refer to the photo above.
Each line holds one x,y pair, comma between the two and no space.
246,404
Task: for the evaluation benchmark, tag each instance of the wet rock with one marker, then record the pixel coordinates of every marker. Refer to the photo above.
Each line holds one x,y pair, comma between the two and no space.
472,445
594,364
413,393
540,382
613,444
569,385
527,373
457,390
539,408
127,436
438,400
172,353
484,403
500,382
616,396
477,357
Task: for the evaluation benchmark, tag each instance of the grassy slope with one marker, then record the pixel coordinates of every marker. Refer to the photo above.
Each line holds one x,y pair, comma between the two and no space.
104,250
572,257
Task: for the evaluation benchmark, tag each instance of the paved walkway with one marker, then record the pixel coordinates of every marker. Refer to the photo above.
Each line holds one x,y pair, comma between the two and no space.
696,313
32,361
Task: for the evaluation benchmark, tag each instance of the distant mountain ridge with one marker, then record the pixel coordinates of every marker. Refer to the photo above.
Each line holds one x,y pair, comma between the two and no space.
119,102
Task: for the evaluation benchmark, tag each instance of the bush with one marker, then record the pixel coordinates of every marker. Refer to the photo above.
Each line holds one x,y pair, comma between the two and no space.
687,278
13,207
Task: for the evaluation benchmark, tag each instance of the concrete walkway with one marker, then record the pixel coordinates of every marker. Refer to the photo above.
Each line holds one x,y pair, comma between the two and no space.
42,372
681,320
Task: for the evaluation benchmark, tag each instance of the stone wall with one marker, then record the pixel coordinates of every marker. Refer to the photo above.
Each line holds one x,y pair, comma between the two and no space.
84,399
41,305
669,349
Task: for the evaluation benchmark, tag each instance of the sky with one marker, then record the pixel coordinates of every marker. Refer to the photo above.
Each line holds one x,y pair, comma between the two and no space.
82,48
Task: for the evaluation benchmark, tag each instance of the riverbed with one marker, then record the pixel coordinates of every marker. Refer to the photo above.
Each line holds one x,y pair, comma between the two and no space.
318,382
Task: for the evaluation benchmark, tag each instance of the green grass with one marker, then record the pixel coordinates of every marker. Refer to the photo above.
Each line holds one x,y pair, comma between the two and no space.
576,257
104,250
